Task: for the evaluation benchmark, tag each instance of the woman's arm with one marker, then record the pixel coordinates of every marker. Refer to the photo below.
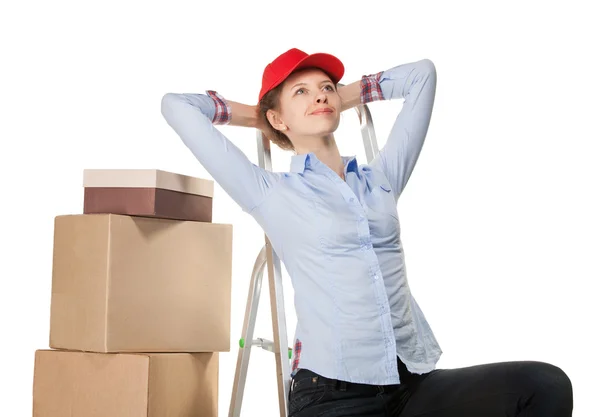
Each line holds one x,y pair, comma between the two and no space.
350,95
416,83
243,115
193,117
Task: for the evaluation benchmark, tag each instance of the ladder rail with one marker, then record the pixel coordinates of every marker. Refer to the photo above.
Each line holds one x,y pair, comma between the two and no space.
243,359
368,131
282,364
269,259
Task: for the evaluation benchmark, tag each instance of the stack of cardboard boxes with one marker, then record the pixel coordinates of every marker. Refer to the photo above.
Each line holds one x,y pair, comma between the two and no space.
141,301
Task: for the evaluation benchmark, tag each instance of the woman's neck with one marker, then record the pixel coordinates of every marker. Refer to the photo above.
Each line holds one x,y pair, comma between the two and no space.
326,150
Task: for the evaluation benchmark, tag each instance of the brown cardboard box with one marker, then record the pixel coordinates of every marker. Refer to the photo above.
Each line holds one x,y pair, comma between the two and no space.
136,284
147,192
84,384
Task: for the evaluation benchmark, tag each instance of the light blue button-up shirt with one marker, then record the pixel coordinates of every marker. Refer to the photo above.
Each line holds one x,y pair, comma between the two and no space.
339,240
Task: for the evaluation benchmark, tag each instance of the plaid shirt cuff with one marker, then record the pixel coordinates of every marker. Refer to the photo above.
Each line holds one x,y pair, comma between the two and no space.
370,90
222,109
296,359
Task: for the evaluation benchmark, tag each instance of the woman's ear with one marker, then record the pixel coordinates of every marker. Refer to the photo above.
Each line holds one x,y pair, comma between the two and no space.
275,120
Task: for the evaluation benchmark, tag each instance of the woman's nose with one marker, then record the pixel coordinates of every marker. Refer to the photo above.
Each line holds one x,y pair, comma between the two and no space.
321,98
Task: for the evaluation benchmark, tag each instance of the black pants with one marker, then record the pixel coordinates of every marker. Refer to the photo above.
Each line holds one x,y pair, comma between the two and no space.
520,388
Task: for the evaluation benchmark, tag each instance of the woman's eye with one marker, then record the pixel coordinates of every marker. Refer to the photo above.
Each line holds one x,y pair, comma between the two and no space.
302,90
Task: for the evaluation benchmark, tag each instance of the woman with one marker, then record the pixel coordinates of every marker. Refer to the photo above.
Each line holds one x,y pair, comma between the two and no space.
362,345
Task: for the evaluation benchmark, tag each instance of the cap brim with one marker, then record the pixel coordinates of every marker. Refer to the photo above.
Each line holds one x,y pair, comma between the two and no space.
326,62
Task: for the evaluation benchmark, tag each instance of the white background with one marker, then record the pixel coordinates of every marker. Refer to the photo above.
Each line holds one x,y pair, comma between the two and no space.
499,219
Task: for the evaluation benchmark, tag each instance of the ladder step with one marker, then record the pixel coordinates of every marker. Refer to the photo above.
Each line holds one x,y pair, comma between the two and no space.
265,344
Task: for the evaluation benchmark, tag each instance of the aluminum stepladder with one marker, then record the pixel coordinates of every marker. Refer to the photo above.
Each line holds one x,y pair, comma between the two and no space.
267,257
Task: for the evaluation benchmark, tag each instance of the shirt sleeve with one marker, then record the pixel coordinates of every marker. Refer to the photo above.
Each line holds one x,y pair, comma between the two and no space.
416,83
222,113
193,117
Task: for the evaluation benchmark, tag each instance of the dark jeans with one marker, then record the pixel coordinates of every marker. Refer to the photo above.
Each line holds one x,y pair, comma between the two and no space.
521,388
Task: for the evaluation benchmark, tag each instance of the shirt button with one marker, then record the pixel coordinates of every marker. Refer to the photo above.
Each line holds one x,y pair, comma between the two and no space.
352,200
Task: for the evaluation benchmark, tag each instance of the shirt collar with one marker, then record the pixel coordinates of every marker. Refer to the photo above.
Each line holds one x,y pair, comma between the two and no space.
300,162
350,164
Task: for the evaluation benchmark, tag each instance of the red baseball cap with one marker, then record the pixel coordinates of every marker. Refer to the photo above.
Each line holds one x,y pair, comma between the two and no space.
278,70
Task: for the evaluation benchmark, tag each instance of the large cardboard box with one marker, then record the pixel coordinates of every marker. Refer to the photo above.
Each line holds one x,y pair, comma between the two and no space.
135,284
85,384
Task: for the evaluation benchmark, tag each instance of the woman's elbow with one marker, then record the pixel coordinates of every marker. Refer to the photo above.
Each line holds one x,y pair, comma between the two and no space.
166,105
428,64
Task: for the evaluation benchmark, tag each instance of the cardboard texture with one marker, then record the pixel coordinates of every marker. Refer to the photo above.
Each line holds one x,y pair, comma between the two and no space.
85,384
147,202
147,192
136,284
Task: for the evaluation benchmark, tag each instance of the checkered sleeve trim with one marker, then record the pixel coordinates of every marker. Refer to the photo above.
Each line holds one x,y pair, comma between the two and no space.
370,90
222,108
297,350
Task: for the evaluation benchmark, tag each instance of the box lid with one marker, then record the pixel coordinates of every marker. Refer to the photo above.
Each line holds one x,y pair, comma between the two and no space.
147,178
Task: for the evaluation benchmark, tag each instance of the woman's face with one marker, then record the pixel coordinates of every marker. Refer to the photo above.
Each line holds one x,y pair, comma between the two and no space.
309,105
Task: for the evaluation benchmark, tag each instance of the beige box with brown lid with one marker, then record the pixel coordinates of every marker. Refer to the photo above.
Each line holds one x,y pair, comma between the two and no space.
147,192
136,284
